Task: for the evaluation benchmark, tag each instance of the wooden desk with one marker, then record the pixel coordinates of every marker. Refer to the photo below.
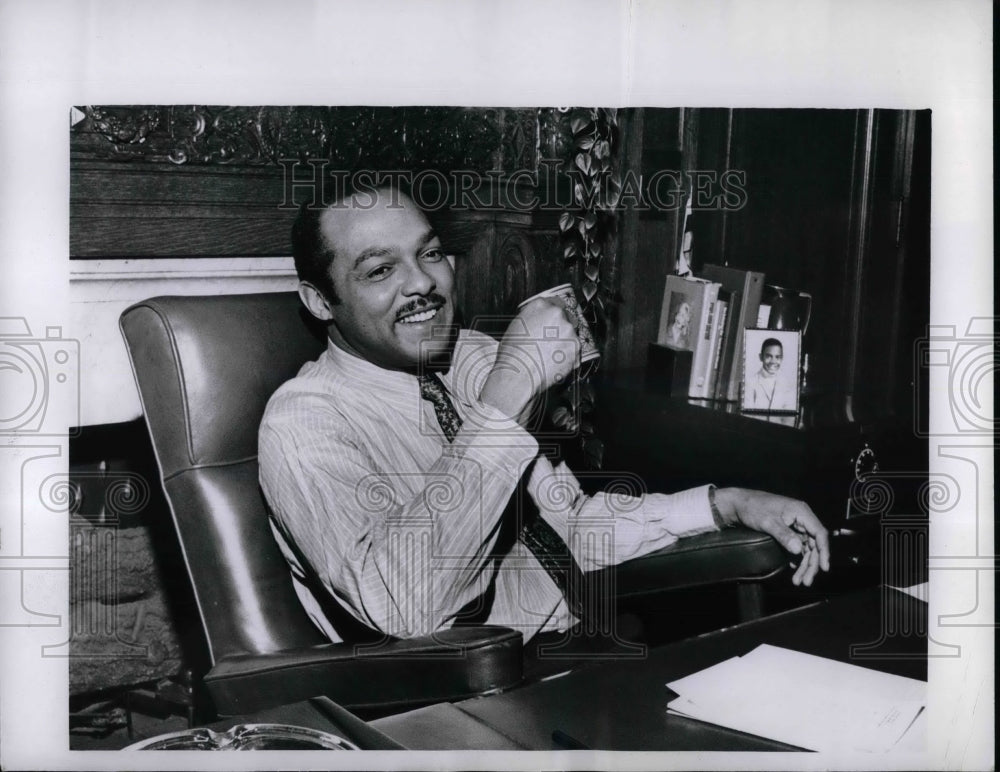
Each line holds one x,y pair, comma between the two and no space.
622,705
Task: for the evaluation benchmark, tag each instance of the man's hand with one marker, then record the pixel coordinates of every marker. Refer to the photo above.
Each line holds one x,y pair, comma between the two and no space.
789,521
539,350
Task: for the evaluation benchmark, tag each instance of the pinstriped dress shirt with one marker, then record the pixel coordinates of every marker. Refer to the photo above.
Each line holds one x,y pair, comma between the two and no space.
372,508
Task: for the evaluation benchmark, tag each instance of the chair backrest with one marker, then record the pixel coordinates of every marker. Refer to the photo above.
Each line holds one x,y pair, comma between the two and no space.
205,368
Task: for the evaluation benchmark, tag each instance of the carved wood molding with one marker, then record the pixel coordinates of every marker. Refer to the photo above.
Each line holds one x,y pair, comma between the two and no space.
513,270
443,138
196,181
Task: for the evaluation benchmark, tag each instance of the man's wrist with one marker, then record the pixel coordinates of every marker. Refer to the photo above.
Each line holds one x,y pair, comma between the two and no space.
722,502
507,394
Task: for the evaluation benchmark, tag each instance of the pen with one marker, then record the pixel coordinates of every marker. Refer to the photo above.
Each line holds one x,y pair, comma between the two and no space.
563,740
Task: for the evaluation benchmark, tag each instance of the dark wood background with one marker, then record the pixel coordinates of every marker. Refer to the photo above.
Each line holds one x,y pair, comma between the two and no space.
837,204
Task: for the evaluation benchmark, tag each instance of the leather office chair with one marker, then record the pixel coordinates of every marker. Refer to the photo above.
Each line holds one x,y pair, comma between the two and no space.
205,368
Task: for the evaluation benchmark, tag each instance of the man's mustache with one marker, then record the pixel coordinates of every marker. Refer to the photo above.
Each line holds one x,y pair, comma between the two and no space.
434,299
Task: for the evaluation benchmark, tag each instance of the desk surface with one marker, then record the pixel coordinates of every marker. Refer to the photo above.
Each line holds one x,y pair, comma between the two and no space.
621,705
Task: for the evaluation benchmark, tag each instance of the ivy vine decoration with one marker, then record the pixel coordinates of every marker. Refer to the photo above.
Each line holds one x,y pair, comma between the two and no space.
588,232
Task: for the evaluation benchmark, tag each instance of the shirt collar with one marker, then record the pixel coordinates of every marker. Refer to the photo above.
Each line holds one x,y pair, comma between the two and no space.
396,387
393,386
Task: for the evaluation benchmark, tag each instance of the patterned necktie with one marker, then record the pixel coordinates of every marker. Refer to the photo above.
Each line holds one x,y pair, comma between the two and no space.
433,391
536,534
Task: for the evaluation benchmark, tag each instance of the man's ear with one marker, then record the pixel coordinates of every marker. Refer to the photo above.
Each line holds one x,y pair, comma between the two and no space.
315,301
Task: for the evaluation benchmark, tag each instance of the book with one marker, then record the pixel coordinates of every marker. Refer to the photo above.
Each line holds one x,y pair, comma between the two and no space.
718,342
750,286
728,358
701,365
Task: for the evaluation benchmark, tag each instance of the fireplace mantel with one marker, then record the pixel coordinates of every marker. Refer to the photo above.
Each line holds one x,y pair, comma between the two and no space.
101,289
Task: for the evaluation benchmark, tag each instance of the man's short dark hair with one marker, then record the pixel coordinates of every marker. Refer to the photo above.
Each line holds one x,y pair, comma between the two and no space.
771,342
310,250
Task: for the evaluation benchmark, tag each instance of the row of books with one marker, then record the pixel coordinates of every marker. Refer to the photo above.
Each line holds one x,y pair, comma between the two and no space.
707,315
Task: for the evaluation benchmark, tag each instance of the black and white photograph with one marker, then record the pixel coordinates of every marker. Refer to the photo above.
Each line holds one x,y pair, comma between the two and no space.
771,371
372,383
679,308
325,528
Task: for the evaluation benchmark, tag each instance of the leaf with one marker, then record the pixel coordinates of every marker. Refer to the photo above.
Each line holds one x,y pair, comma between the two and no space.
570,251
613,197
583,162
578,124
589,289
563,418
590,220
602,149
565,221
578,193
591,271
585,143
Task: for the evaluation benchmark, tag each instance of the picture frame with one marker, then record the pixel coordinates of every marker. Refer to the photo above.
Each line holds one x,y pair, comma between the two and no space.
771,368
680,313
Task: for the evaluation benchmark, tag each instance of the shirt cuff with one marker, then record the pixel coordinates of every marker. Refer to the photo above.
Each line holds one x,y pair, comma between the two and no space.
720,521
690,511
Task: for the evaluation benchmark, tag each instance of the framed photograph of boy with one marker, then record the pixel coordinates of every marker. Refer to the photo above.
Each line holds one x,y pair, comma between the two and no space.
771,371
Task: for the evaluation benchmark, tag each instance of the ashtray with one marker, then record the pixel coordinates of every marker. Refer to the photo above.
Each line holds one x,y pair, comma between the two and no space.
246,737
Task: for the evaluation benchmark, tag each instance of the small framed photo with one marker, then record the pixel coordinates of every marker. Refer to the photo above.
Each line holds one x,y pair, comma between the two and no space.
680,313
771,371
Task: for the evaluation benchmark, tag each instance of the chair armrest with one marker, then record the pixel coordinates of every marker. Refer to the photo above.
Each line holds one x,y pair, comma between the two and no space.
730,555
448,665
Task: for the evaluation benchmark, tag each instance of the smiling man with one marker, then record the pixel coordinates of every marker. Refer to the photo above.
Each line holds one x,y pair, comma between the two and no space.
406,493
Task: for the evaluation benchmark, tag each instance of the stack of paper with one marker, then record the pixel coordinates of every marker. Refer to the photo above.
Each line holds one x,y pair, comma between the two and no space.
803,700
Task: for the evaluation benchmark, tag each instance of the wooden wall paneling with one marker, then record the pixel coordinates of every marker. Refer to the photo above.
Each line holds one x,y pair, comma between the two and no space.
621,344
889,301
795,226
712,155
647,237
496,260
158,210
828,211
861,208
514,269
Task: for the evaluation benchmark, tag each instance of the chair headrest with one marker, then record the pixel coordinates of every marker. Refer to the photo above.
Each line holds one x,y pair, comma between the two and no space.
214,360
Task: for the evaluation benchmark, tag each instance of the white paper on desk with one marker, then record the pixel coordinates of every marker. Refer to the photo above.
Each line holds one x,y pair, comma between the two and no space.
803,700
918,591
